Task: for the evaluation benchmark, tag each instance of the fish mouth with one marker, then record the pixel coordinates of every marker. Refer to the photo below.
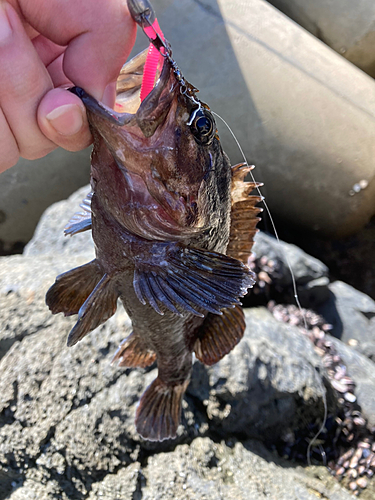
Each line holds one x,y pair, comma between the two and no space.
141,136
128,109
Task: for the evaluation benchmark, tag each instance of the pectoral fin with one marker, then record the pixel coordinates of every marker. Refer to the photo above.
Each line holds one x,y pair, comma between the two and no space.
72,288
99,306
218,335
192,280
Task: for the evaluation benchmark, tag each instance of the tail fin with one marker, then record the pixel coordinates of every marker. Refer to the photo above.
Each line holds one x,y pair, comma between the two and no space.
159,411
99,306
71,289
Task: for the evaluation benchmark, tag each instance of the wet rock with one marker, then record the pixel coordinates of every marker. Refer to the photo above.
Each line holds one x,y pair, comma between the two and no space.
352,316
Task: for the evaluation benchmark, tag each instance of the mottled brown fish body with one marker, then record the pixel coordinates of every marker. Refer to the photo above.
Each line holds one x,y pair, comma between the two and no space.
165,205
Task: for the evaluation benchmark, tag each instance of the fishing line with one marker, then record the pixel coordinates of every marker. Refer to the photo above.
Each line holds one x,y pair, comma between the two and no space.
295,293
323,423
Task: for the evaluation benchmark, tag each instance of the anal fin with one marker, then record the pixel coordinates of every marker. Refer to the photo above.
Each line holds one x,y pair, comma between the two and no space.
131,353
218,335
159,411
97,309
71,289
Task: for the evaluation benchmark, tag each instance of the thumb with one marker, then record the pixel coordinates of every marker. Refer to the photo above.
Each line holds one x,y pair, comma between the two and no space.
62,119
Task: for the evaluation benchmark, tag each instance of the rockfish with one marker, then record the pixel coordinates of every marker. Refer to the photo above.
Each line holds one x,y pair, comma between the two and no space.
173,226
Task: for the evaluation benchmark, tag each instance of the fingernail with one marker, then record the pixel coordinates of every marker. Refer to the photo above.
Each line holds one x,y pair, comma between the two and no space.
67,119
5,28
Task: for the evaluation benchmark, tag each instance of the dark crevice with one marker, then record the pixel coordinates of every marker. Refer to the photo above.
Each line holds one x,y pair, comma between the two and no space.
6,344
7,416
368,315
141,483
16,248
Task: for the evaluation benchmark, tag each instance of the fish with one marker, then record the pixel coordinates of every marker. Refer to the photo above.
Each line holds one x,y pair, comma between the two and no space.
173,225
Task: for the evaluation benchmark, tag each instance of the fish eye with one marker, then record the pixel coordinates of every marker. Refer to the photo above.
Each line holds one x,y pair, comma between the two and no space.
202,126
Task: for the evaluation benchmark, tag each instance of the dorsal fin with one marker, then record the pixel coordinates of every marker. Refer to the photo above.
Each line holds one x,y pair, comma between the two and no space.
244,214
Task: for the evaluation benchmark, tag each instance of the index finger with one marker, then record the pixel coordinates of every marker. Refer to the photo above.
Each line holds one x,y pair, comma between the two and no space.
99,35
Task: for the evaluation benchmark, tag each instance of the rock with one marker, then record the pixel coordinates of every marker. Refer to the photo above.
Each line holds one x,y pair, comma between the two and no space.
352,316
303,114
49,235
236,471
28,188
67,415
346,27
310,274
362,371
23,284
124,484
255,390
203,470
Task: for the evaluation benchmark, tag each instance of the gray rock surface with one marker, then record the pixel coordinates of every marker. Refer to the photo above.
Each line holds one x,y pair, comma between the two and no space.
310,274
66,415
255,390
203,470
352,315
27,189
241,471
49,235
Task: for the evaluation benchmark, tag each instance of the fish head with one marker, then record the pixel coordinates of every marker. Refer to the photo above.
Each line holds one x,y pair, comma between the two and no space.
158,164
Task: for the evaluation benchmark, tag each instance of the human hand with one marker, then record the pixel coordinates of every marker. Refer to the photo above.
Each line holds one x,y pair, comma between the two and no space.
46,45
